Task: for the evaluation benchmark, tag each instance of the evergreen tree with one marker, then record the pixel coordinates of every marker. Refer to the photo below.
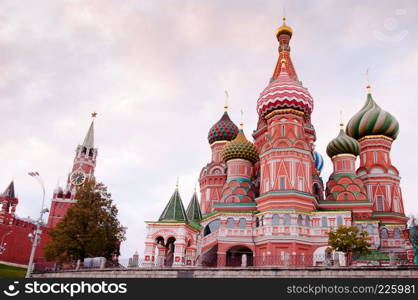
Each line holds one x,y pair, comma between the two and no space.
89,229
350,240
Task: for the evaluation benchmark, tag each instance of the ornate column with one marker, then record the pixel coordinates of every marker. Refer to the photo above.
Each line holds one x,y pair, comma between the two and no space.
150,253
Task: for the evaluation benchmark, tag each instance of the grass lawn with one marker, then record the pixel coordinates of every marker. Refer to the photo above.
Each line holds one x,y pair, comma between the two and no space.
11,272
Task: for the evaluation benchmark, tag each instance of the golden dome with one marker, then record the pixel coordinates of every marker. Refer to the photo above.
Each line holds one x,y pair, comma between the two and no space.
284,28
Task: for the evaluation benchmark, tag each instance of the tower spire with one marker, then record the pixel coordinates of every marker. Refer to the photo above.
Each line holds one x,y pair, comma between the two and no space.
368,86
193,211
284,34
10,190
226,100
174,211
89,139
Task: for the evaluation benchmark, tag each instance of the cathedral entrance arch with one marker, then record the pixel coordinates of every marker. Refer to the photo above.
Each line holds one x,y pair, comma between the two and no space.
210,257
234,256
169,256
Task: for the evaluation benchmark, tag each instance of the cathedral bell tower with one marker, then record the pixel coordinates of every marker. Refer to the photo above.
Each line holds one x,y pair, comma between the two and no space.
285,137
82,170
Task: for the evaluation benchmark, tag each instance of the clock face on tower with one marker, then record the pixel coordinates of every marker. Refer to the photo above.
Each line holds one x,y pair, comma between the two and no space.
78,177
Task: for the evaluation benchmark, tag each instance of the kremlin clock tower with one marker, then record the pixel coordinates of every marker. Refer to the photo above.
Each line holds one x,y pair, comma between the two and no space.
82,170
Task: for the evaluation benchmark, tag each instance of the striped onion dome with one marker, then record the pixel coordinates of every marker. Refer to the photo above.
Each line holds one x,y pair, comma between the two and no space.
319,161
284,92
343,144
223,130
372,120
240,147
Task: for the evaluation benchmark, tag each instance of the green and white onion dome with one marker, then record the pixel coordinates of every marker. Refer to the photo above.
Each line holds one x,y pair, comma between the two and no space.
343,144
372,120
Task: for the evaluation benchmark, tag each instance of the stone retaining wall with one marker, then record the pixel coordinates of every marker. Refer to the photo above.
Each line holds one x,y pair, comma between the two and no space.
315,272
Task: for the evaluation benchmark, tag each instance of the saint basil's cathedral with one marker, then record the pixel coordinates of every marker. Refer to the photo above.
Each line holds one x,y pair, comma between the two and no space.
266,199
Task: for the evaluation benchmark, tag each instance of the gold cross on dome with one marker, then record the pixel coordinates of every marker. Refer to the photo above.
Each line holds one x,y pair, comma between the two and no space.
368,86
226,100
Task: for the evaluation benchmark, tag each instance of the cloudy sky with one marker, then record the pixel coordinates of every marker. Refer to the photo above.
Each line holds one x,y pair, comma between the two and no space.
156,71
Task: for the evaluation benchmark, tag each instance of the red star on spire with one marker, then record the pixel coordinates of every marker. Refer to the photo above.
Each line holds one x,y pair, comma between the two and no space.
94,114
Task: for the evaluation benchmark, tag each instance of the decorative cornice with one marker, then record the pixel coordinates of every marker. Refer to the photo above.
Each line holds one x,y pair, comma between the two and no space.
219,142
303,151
288,192
234,204
375,137
345,154
284,111
171,224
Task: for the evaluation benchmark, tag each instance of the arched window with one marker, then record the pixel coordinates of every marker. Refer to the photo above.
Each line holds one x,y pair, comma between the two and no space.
282,183
230,223
370,229
324,222
242,223
345,196
300,220
384,233
257,222
300,183
307,221
266,185
339,220
262,221
396,233
286,219
379,200
275,221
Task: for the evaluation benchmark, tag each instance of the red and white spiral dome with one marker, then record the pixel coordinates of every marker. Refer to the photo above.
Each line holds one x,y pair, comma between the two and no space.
284,92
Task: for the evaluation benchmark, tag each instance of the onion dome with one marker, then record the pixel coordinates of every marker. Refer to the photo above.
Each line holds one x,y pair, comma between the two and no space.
284,29
240,147
284,92
343,144
223,130
372,120
319,161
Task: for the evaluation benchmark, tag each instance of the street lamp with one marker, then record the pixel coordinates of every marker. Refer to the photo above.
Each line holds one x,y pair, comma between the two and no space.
35,236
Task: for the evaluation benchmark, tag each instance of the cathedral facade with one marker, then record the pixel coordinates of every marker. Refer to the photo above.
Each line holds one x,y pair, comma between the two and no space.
264,201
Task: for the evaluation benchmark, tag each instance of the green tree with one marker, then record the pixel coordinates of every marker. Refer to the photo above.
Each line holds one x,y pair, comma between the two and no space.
89,229
350,240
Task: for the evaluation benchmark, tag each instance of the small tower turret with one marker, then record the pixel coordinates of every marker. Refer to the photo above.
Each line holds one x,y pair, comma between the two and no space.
8,202
375,129
213,176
